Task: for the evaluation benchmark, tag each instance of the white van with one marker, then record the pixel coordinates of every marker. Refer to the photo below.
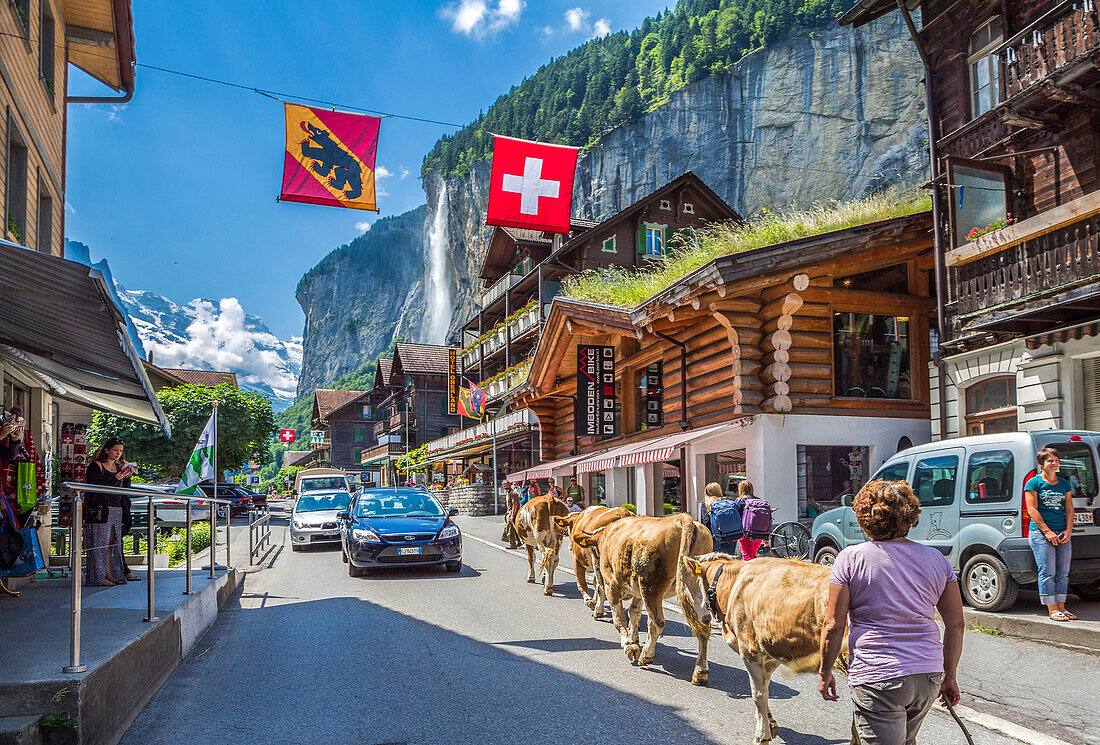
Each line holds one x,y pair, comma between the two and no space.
971,491
321,479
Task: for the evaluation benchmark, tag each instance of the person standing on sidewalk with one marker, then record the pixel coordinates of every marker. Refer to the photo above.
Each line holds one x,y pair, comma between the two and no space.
511,509
750,547
888,590
576,491
1049,500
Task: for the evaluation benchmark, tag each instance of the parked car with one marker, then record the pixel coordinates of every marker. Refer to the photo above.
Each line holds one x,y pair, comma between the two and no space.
258,499
314,520
398,527
171,510
971,491
241,501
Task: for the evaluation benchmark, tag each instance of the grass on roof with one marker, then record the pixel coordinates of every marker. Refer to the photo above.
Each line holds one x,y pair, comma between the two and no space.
630,287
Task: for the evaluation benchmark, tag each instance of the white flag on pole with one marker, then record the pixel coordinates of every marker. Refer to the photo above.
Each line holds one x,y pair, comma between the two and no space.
201,466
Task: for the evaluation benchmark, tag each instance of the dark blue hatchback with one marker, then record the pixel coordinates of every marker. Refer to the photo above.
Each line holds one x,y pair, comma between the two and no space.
398,527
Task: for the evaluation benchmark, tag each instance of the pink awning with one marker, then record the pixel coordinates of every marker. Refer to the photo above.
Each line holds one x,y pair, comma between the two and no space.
605,460
663,448
543,470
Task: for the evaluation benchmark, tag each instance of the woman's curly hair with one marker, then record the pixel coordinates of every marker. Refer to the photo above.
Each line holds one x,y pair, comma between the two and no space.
886,509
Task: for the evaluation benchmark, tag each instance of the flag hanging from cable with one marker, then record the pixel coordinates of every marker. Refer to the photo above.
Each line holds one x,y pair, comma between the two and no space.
201,466
329,158
471,401
531,185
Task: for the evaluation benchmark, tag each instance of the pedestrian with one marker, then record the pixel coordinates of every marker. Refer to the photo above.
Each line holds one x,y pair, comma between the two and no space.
1049,499
749,546
511,506
103,514
555,491
723,517
573,506
575,490
887,590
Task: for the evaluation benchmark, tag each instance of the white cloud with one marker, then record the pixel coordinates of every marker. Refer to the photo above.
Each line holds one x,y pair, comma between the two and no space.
362,227
113,112
404,173
382,172
479,18
575,18
218,339
546,31
69,207
602,27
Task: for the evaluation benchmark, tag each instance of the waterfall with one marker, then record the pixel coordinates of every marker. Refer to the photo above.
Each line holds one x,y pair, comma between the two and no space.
438,289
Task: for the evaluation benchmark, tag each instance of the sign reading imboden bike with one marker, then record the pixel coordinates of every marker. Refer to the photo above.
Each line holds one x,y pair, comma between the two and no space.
594,413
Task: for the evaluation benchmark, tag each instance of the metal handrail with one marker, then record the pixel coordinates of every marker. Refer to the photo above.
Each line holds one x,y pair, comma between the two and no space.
261,526
76,550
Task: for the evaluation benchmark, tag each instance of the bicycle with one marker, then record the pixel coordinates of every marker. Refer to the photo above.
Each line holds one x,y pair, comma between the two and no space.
790,540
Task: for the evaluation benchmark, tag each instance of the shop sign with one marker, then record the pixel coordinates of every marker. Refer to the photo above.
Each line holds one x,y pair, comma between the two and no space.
316,437
654,395
452,381
594,413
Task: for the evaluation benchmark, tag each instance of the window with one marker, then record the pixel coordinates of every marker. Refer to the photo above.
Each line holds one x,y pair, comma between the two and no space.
989,477
46,49
608,246
826,474
979,195
893,279
871,356
934,480
445,404
991,406
666,205
893,472
16,199
1078,467
689,208
45,217
523,267
654,240
985,69
365,412
19,8
360,432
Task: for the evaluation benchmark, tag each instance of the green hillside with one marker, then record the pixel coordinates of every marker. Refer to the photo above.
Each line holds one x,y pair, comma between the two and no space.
577,97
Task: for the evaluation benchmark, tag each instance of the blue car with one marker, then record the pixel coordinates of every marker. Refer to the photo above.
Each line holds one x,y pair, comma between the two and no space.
398,527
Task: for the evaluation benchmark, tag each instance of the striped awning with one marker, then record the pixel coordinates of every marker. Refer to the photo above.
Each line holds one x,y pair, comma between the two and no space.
543,470
663,448
605,460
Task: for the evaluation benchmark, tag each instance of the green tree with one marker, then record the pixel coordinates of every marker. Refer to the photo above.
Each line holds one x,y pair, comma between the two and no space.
245,424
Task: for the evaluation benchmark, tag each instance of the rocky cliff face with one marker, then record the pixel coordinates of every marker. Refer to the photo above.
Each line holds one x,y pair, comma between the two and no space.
362,297
828,115
822,116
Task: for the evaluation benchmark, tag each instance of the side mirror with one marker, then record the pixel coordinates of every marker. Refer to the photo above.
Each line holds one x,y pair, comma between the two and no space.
342,515
452,512
846,500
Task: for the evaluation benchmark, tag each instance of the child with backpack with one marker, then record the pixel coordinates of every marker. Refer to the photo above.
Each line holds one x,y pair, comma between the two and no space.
746,520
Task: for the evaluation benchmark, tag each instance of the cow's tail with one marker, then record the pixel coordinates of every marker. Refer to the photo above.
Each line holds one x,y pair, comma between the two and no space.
687,603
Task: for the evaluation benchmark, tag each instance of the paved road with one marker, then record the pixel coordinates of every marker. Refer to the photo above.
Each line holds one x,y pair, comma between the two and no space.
305,654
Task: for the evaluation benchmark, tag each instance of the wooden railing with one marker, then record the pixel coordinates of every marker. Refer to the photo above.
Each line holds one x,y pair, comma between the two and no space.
975,137
1069,32
1033,268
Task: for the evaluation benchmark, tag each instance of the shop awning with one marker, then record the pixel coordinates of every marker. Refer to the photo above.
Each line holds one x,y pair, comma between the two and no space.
60,326
605,460
664,447
544,470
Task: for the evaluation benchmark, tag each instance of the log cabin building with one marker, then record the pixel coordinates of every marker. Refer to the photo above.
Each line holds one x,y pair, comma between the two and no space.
346,419
522,273
1013,92
805,366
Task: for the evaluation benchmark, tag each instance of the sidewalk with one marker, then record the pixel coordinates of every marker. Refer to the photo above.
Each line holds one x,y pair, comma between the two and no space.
128,659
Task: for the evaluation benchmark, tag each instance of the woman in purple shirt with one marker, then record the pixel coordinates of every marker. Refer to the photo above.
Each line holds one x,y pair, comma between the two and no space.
888,589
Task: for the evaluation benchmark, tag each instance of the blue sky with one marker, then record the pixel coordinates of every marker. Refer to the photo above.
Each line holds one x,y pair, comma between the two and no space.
177,189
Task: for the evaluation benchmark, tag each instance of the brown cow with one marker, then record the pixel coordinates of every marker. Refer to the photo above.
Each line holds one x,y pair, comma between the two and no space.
644,558
535,527
771,611
585,560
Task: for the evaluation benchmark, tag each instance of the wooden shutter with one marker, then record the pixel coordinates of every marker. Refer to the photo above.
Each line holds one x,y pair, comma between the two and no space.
1090,369
669,232
641,239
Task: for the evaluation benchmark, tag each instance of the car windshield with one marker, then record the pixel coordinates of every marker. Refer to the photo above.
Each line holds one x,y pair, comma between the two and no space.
315,502
321,484
401,504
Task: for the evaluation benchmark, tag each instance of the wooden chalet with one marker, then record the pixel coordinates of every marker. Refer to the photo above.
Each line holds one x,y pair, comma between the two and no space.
1014,101
805,365
347,420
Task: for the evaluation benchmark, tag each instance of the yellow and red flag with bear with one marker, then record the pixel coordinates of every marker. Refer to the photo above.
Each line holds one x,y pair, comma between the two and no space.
329,158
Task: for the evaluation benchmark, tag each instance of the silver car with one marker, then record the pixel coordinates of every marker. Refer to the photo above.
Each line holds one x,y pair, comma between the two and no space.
313,520
171,510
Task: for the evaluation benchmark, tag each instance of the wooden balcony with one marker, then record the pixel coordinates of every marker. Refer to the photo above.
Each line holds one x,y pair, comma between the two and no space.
1060,44
402,419
1033,278
976,137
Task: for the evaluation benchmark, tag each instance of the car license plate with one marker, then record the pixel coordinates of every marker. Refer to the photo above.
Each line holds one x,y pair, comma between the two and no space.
1082,518
408,550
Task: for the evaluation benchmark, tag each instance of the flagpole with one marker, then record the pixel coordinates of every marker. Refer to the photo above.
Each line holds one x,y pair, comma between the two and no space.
214,505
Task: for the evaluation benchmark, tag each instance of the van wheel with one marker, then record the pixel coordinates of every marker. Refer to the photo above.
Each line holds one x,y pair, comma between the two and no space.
826,556
987,585
1089,591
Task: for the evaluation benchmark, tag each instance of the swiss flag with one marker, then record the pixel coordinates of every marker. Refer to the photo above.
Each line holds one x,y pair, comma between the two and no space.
531,185
286,435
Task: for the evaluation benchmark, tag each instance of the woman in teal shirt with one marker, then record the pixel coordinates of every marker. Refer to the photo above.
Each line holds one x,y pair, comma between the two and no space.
1049,500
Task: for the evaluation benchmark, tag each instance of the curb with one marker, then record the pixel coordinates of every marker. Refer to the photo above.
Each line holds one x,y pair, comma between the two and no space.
1067,635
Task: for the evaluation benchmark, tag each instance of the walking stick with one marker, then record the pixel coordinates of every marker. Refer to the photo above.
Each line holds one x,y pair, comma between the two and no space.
950,710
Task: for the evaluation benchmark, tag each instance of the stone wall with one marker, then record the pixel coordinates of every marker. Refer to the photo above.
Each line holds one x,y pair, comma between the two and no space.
471,499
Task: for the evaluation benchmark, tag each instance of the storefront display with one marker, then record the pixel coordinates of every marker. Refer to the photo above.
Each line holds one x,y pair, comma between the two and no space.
826,474
73,458
727,469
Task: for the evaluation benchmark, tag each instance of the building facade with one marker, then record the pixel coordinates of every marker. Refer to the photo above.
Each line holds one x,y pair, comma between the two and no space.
345,422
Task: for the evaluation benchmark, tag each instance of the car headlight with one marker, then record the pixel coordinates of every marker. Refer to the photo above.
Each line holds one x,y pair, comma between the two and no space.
300,525
365,535
449,531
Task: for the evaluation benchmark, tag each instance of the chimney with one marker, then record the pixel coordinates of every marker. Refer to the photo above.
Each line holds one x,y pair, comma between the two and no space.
150,353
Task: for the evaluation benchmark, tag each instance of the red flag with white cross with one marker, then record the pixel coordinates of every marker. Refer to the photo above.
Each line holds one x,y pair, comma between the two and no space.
531,185
286,435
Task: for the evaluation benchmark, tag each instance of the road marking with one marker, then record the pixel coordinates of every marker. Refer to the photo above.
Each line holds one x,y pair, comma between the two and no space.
988,721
